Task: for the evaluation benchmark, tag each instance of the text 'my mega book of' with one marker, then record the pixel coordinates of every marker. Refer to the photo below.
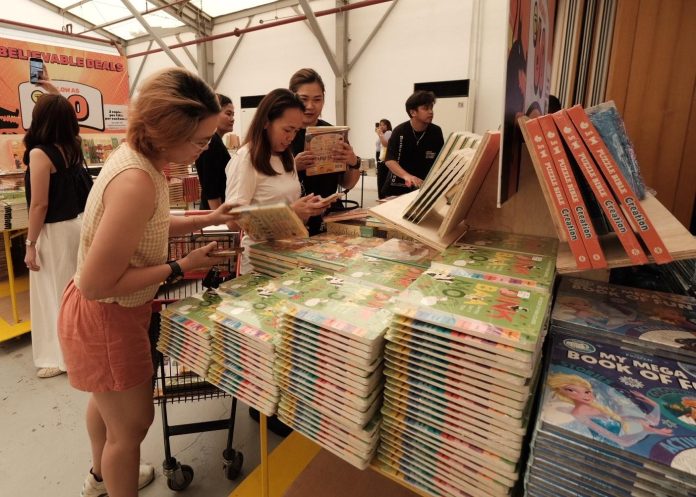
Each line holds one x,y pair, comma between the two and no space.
322,141
270,222
617,181
564,219
604,196
573,193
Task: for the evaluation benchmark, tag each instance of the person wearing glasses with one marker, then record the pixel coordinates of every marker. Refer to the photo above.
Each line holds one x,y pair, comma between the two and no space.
122,260
309,87
263,170
210,165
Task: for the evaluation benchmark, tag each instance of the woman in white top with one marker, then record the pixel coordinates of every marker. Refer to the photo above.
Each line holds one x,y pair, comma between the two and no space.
263,171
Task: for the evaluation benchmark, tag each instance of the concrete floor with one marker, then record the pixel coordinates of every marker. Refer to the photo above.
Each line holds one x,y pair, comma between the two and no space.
45,448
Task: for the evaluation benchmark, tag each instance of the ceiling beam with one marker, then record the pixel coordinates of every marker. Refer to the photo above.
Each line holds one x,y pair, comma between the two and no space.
216,83
190,15
261,9
148,28
161,32
127,18
316,29
375,30
78,20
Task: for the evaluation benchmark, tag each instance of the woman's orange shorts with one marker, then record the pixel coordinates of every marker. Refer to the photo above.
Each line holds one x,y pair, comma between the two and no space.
106,346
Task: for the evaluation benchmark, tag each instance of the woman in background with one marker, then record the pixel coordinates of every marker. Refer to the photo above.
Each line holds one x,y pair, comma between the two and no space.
53,157
122,260
384,132
263,171
210,165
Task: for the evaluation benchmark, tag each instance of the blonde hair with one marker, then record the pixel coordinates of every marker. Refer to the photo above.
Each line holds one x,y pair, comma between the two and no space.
168,109
556,382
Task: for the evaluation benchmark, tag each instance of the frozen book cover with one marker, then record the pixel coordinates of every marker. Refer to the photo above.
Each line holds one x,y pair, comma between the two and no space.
664,320
499,266
631,403
507,308
499,240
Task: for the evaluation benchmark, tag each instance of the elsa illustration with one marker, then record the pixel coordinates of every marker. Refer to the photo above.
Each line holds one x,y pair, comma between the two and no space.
603,422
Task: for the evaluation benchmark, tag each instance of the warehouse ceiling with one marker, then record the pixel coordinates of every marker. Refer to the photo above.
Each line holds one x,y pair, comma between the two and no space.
118,20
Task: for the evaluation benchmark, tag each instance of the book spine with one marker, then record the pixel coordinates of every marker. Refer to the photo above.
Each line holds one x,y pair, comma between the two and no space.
561,210
572,191
604,196
622,189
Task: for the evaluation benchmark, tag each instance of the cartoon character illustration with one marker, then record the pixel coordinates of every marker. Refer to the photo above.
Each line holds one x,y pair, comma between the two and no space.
690,417
604,423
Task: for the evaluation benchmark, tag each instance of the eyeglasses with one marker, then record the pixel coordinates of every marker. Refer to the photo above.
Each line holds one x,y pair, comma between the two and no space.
201,144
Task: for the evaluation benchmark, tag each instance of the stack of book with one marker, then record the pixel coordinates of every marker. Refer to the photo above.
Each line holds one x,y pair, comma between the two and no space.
176,191
404,252
462,361
590,187
335,251
185,331
385,275
274,258
16,213
329,366
191,187
618,413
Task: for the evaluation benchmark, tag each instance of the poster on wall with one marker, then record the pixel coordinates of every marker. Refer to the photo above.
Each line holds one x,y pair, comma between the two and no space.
96,84
527,82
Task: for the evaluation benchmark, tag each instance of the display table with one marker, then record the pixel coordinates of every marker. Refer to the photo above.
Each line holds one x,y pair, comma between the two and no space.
16,326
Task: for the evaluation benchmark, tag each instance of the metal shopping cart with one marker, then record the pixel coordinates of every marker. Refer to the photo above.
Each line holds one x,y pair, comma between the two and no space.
174,382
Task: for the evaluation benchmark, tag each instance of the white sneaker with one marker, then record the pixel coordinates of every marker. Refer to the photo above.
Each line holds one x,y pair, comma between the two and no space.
94,488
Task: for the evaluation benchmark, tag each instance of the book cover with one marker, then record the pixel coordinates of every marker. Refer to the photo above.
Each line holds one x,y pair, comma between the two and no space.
632,404
573,192
613,175
337,252
610,126
565,221
403,251
510,309
321,142
194,313
242,284
658,320
380,273
510,242
270,222
604,196
531,271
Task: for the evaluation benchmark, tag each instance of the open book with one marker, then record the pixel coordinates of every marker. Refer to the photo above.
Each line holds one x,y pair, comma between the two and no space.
270,221
321,141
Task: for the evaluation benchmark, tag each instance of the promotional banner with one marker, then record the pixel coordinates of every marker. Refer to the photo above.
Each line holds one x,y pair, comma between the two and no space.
95,83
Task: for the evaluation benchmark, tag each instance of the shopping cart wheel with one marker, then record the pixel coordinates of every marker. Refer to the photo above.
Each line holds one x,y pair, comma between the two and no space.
233,463
180,478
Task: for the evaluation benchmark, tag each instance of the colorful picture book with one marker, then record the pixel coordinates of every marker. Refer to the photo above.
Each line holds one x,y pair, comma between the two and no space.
322,142
270,222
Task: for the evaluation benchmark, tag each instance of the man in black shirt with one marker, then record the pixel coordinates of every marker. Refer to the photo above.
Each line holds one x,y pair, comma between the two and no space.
413,146
310,89
211,164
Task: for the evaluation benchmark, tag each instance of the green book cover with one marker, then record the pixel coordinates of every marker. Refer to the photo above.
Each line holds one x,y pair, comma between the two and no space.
243,284
534,271
194,313
404,251
353,310
499,240
380,273
445,299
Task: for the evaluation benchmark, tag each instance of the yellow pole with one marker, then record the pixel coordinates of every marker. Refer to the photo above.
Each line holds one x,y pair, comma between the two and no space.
10,274
264,456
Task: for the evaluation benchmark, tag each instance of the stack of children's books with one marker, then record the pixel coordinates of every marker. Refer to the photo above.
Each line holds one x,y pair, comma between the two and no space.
16,212
404,251
618,413
185,331
276,257
385,275
329,366
334,252
462,360
245,329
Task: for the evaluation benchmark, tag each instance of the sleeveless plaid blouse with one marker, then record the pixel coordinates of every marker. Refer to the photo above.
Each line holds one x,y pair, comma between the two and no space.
152,249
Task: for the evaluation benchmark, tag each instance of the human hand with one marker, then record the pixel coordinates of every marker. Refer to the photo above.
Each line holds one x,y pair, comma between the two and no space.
303,160
222,215
201,258
657,431
308,206
343,152
643,397
413,181
45,82
31,259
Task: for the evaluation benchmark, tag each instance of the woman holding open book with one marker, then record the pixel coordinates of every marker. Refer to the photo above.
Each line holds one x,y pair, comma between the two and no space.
263,171
309,87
